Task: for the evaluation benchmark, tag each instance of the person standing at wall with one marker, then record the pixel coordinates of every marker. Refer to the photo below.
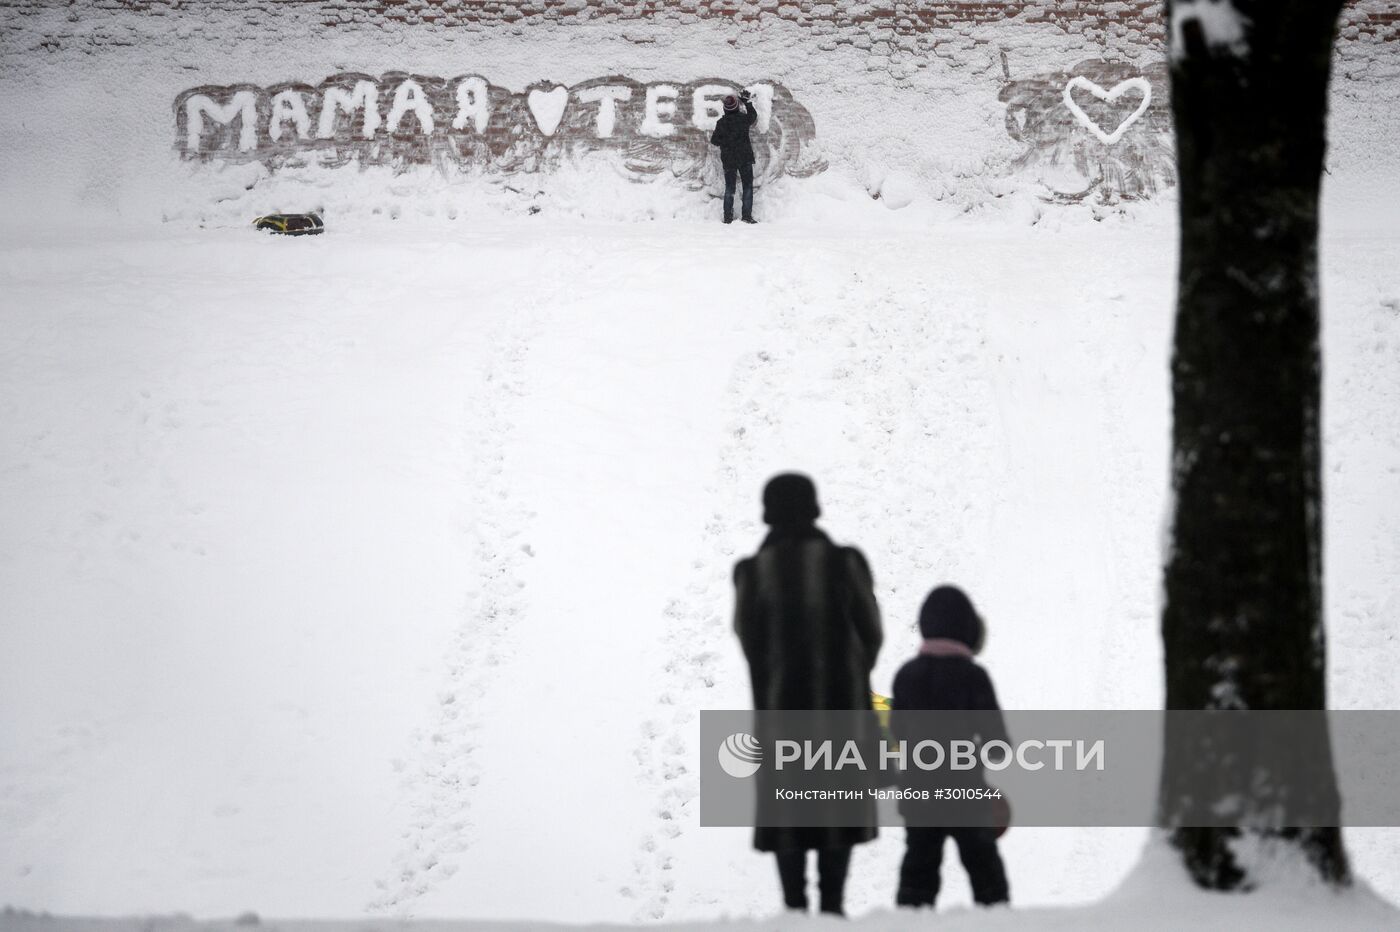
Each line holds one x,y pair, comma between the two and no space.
736,152
807,619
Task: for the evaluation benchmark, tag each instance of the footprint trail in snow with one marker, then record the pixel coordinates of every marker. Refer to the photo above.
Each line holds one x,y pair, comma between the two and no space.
803,399
440,783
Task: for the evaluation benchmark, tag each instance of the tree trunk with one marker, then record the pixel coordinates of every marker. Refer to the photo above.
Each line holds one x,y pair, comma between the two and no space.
1242,624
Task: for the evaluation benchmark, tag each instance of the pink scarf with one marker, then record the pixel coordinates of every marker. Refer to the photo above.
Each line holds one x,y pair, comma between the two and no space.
945,647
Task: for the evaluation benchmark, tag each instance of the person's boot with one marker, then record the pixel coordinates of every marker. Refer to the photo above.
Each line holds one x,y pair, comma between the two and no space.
748,219
728,218
832,864
792,871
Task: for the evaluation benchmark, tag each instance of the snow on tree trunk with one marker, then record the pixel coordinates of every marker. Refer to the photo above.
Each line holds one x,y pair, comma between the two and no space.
1242,624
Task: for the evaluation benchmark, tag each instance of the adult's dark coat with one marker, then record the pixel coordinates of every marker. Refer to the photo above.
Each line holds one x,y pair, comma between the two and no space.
806,615
732,136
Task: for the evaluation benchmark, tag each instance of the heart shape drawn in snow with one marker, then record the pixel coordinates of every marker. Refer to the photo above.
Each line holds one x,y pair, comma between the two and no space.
1139,84
547,107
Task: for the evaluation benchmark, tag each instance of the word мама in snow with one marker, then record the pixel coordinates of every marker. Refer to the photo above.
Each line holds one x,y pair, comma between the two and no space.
403,119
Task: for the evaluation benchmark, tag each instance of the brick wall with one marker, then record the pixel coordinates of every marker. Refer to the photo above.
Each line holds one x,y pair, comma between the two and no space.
958,94
909,25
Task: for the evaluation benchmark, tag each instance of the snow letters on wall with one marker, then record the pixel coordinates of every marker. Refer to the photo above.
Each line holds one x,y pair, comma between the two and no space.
467,122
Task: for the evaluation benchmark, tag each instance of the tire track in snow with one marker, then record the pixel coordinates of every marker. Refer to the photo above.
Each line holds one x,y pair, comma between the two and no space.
448,765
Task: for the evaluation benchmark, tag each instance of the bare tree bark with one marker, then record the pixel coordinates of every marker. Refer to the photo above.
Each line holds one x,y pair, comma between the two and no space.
1242,624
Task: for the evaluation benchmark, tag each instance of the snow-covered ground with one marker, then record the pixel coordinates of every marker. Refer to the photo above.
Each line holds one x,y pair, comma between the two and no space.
1154,899
383,574
314,550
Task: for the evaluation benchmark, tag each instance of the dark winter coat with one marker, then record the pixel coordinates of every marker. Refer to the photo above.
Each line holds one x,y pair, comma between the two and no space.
807,619
946,684
732,136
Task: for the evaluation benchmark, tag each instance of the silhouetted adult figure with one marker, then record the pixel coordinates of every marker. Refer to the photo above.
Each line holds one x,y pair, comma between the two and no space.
736,152
806,615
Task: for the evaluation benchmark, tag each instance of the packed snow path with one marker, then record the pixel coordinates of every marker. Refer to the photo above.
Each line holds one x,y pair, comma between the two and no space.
391,568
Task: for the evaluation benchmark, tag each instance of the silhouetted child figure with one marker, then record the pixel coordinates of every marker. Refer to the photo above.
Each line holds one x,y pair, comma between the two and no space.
945,677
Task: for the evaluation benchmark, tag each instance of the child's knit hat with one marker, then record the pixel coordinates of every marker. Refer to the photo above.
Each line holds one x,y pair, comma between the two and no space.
948,613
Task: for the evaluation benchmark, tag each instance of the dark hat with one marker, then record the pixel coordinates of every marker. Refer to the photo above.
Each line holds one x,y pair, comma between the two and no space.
790,498
948,613
731,102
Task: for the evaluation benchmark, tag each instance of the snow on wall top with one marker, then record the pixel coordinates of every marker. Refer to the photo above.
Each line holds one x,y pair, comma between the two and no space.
884,28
